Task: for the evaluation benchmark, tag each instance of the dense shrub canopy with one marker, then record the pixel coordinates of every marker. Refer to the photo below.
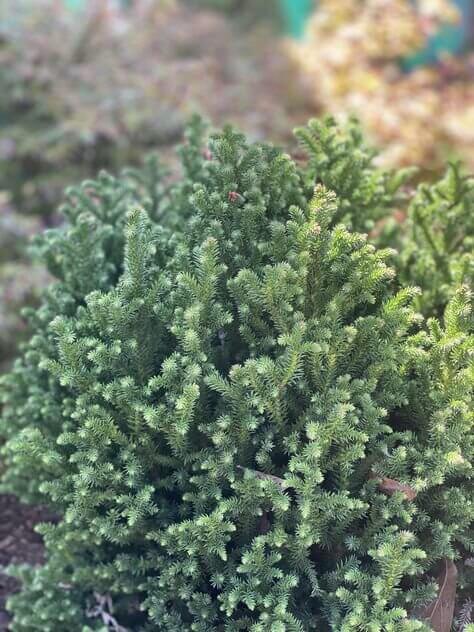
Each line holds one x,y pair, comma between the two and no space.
438,248
233,406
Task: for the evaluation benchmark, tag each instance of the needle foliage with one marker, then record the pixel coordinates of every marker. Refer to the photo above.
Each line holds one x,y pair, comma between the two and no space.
221,384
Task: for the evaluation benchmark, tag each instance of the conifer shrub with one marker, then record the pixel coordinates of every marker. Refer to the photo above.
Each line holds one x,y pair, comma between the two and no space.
233,406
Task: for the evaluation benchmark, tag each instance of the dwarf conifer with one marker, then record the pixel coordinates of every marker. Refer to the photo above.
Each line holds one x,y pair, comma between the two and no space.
220,384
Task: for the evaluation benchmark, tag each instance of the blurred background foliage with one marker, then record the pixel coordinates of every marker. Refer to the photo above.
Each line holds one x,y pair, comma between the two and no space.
365,59
84,89
98,84
93,84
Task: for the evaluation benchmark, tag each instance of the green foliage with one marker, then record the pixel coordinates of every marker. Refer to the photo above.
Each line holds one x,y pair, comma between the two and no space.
438,249
218,381
442,455
433,446
341,160
74,99
84,257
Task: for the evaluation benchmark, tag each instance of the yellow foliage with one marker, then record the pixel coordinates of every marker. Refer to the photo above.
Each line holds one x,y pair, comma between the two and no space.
350,60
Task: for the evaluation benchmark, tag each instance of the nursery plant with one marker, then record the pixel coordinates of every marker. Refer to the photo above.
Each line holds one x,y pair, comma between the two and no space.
232,404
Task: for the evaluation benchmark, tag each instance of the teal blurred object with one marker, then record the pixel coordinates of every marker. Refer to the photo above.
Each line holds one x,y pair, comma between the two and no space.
295,14
450,39
74,4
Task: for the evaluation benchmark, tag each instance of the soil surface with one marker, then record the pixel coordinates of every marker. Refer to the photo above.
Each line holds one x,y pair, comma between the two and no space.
19,544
